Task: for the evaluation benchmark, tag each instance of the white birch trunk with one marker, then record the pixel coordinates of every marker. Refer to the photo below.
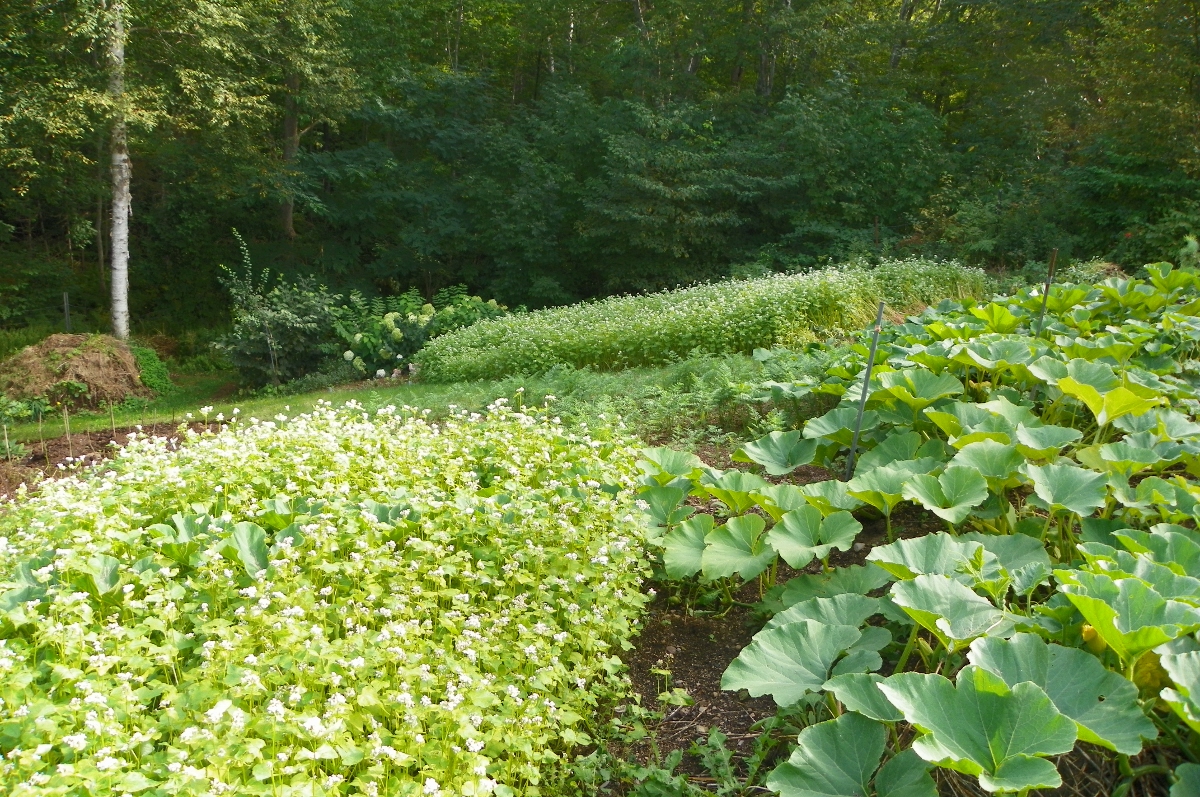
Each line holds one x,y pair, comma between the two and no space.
122,174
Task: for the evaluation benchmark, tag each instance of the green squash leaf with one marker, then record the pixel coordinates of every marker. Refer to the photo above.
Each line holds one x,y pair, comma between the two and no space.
248,544
683,548
1127,613
939,554
779,499
950,496
103,573
789,661
663,505
735,489
1067,487
779,452
1044,442
996,462
838,425
1102,703
664,465
951,611
859,691
802,535
981,726
840,757
737,547
846,609
830,496
1184,698
852,580
1187,781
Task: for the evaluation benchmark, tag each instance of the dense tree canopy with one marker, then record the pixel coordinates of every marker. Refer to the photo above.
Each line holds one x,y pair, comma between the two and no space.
544,151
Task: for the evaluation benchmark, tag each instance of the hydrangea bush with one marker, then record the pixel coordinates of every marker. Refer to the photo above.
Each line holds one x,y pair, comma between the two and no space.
338,603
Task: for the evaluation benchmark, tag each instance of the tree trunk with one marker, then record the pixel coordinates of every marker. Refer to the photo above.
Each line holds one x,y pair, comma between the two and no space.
906,12
291,145
122,174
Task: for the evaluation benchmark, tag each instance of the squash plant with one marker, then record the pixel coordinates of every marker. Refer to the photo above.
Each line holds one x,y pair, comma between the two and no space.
1061,603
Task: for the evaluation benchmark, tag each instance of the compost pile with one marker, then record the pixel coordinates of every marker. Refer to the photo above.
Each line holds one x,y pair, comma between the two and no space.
57,367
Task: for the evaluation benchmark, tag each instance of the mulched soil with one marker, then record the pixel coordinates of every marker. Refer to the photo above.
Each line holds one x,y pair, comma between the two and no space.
697,649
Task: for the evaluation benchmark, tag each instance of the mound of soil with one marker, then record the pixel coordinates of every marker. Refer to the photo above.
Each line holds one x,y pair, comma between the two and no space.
101,362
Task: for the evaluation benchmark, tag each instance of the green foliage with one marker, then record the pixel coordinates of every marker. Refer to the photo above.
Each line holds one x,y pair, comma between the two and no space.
728,317
383,334
1075,460
13,340
279,333
314,617
152,371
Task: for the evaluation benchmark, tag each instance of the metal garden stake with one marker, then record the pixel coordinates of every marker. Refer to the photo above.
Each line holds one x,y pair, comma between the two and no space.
862,401
1046,291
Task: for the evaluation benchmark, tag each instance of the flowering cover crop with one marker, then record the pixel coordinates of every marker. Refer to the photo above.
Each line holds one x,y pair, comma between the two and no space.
340,603
722,318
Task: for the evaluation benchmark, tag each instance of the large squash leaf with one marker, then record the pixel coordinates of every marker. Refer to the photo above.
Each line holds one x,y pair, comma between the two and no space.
981,726
840,758
789,661
1102,703
803,534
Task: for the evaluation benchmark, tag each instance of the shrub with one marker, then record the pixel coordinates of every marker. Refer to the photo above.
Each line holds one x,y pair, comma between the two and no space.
281,333
342,602
720,318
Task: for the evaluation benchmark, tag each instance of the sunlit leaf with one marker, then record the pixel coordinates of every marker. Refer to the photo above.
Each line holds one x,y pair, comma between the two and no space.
1102,703
983,727
789,661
